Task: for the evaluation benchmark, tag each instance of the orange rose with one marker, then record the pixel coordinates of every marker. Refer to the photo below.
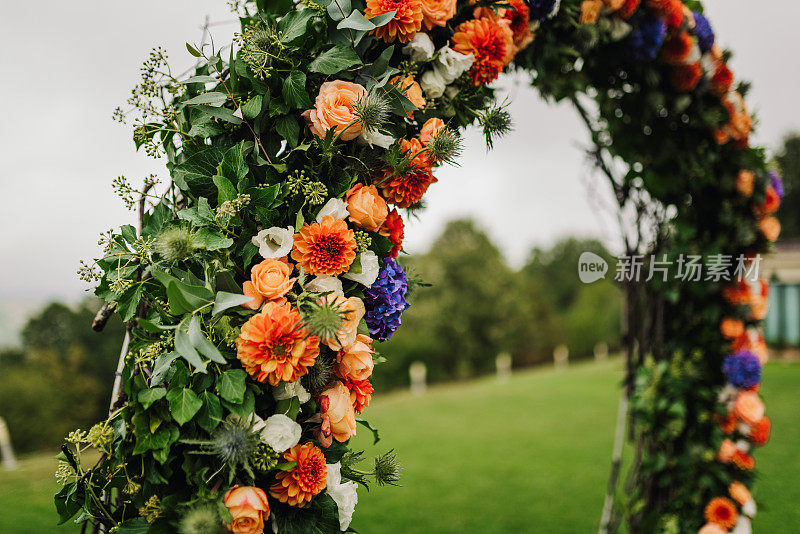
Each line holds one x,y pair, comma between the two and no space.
248,507
353,310
338,412
411,89
749,407
430,129
437,12
333,108
744,182
770,227
366,207
731,328
590,11
270,279
355,362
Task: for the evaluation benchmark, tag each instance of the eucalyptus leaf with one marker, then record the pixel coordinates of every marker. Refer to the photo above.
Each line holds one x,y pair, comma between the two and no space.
225,300
185,348
213,98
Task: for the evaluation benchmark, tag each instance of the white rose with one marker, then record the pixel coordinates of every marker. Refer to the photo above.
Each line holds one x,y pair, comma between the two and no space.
742,526
708,63
420,48
371,136
325,284
450,64
743,445
728,394
287,390
369,269
433,84
619,29
744,428
274,242
335,207
344,495
694,56
280,433
749,508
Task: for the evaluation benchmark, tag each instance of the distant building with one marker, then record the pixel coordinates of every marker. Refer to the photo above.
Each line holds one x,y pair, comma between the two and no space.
782,270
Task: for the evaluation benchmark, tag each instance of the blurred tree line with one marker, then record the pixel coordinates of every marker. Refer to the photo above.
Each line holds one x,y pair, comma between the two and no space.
787,160
60,378
477,307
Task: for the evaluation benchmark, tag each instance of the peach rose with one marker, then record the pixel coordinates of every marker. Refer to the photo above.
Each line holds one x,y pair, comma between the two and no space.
333,108
749,407
271,279
590,11
337,412
353,310
731,328
248,507
770,227
744,182
437,12
366,207
430,129
712,528
411,89
739,492
355,361
726,450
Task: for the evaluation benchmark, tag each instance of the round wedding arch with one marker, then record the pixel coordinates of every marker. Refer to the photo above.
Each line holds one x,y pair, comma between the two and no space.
263,271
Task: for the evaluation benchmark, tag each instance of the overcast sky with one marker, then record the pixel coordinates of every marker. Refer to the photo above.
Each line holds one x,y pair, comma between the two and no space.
66,65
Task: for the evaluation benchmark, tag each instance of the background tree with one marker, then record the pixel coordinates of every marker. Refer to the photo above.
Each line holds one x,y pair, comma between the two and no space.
788,160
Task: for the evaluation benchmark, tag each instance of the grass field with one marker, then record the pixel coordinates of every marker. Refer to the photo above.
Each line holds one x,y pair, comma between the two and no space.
528,455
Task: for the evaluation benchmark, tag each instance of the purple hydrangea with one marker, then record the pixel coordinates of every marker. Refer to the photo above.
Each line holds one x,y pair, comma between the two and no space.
777,183
704,33
743,369
645,40
542,9
386,300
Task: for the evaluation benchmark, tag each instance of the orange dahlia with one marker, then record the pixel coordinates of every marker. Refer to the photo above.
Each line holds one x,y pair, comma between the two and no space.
677,49
406,23
722,511
273,346
393,228
628,8
743,461
360,392
722,80
408,189
759,431
518,17
327,247
307,478
490,43
684,78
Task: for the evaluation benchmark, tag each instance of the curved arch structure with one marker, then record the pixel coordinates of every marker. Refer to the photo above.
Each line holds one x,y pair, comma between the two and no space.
264,271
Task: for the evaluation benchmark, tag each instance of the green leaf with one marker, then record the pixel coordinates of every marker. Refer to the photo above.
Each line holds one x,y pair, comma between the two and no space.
287,127
225,189
201,342
335,60
205,127
231,385
202,78
148,396
212,239
294,24
221,113
192,50
375,436
195,173
339,9
356,21
382,19
245,409
184,298
129,301
183,404
227,300
153,327
213,98
161,367
252,108
286,466
233,166
185,348
210,415
294,90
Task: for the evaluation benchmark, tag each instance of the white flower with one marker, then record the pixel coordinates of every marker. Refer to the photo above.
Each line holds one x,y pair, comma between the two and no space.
287,390
275,242
749,508
694,56
420,48
742,526
335,207
743,445
619,29
433,84
708,63
744,428
325,284
450,64
728,394
344,495
371,136
451,91
280,433
369,269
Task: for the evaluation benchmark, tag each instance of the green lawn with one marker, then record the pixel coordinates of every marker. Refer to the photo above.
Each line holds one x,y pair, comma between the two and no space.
528,455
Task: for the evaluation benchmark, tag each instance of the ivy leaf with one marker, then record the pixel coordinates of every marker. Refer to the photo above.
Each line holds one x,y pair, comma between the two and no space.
294,24
148,396
287,127
184,298
252,108
225,189
227,300
245,409
202,78
233,167
183,404
195,173
210,414
294,90
129,302
214,98
231,385
212,239
335,60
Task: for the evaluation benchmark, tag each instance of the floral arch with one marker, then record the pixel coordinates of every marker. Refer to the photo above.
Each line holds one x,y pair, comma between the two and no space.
264,271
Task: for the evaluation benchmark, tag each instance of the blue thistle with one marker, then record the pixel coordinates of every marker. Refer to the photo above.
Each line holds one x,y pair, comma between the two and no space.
704,33
646,39
542,9
777,183
386,300
743,369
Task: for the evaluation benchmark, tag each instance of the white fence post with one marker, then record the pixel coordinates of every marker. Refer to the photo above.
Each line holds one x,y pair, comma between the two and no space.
561,357
418,372
503,362
6,451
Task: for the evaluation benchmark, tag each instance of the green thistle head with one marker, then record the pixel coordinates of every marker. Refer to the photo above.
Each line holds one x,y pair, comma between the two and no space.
175,243
387,469
446,146
372,110
496,122
234,443
320,374
322,319
203,520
